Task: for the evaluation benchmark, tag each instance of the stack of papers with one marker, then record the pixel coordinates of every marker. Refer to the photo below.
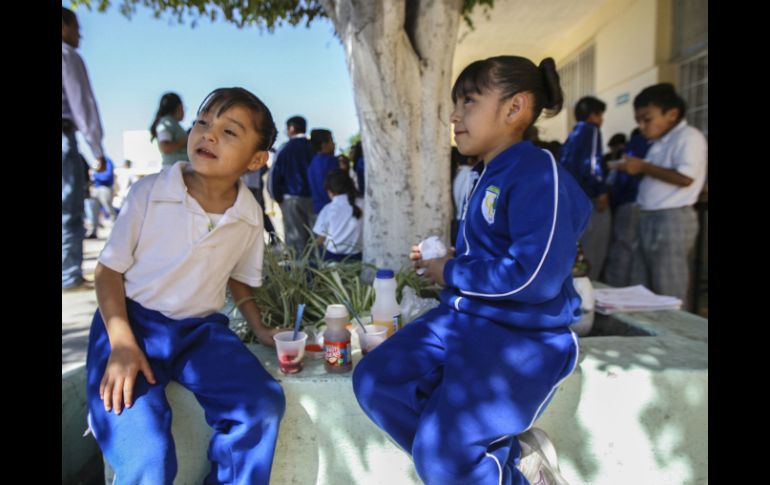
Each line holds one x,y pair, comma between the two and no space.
633,299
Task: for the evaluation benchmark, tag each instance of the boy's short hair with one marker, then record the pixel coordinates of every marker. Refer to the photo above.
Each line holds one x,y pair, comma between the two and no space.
617,139
299,123
67,16
225,98
319,136
588,105
663,96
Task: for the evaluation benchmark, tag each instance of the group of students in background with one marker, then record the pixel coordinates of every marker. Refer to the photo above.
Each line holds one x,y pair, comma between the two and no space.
642,228
643,225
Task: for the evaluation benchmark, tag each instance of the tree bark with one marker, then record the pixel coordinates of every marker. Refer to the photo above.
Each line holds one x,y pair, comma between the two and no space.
400,63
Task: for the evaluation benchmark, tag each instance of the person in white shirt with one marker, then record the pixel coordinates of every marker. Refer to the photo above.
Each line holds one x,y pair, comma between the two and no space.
462,184
182,236
78,113
339,226
674,173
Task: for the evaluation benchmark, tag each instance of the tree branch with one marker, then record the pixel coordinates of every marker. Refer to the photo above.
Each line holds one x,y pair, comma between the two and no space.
330,9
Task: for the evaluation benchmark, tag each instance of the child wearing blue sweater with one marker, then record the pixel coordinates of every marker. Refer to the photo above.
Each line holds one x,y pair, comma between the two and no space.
460,387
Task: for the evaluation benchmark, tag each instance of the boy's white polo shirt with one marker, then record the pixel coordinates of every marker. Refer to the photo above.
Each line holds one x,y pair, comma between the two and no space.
341,229
685,150
170,261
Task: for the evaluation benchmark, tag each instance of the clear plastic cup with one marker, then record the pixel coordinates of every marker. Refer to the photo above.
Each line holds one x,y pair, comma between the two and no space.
374,336
290,352
314,346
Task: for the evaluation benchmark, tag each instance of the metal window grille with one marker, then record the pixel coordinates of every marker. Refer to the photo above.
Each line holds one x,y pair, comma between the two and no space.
577,78
694,87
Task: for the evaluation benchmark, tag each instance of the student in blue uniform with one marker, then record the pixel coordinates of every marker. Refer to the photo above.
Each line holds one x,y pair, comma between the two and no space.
339,227
181,237
625,216
455,387
288,185
102,187
582,156
321,165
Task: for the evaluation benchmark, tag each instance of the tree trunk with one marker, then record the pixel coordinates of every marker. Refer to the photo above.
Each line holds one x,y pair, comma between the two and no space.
400,62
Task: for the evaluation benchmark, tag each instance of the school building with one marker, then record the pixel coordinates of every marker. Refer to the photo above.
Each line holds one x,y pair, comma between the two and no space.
610,49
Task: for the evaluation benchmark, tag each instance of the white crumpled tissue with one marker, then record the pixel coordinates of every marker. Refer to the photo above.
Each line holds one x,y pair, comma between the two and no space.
431,248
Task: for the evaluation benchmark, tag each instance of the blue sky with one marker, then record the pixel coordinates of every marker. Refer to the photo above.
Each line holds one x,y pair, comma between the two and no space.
131,63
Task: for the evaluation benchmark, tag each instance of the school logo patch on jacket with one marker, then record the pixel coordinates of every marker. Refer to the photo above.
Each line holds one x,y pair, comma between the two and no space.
489,204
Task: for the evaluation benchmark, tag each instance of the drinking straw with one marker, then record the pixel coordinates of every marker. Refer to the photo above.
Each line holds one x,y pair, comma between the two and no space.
300,311
355,315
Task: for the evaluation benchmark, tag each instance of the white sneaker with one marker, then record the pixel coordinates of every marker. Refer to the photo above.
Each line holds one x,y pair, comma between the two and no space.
538,461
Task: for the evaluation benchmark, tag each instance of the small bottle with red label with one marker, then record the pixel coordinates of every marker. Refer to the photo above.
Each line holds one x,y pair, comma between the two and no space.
337,349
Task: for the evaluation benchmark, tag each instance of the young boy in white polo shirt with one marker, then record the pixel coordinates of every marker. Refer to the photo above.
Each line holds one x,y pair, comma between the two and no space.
182,236
674,173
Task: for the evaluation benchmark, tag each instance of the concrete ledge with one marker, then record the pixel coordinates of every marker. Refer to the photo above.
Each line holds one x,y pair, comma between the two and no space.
324,437
76,451
635,411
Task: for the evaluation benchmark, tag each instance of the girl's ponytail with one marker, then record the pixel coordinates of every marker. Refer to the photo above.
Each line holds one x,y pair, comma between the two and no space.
512,75
352,199
554,98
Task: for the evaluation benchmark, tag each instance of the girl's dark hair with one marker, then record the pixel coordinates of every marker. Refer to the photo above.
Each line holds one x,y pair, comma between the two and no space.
588,105
663,96
617,139
356,152
513,75
319,136
225,98
169,102
338,182
456,160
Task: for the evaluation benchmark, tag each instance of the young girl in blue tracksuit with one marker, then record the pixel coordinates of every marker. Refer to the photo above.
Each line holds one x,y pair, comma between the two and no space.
455,387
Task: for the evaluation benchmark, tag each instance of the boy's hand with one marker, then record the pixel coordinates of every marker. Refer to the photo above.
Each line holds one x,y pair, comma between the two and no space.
265,335
102,164
632,165
117,385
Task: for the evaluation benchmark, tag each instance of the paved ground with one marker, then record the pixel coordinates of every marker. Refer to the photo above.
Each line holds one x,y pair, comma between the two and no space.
77,308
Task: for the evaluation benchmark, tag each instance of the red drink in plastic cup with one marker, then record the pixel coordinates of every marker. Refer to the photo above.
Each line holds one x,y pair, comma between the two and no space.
290,351
288,365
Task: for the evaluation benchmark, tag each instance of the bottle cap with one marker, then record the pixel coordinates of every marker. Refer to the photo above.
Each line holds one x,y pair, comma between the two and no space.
385,273
336,311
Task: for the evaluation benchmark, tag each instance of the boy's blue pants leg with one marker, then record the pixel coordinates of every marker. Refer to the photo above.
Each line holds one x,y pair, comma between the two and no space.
242,402
455,389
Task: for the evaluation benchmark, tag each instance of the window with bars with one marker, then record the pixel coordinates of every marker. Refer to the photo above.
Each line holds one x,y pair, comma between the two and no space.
694,87
577,80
